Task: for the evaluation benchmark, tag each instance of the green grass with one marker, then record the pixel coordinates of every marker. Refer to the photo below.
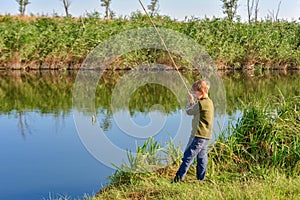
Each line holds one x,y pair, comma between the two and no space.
265,138
65,42
276,187
258,158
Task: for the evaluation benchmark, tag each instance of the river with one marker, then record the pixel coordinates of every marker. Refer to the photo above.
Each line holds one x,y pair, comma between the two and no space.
44,152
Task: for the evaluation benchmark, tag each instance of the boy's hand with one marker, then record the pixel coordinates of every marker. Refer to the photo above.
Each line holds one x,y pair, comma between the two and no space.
191,98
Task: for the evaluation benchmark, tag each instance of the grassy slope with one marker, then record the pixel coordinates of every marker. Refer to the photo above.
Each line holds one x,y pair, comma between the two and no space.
273,187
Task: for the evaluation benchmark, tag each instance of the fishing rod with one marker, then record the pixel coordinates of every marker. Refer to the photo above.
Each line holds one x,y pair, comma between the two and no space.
166,48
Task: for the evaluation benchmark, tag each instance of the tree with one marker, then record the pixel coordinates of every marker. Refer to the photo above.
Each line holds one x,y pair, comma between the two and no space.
108,11
250,9
230,8
22,6
256,10
274,16
67,4
112,14
153,7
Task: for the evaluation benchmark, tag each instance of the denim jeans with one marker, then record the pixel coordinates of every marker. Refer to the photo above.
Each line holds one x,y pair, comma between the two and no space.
196,147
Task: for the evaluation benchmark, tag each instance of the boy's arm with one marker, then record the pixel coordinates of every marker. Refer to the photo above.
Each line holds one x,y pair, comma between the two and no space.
192,109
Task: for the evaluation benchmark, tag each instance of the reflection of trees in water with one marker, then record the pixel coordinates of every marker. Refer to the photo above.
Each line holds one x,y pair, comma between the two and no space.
51,92
48,92
105,123
42,92
26,122
23,123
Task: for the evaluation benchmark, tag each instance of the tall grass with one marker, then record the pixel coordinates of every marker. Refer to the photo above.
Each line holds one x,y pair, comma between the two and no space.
65,42
266,138
149,159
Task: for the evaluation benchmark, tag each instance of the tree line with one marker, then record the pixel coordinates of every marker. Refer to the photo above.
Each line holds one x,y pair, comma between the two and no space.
229,8
152,7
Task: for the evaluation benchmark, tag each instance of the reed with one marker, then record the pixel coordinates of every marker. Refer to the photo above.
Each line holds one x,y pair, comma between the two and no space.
64,42
266,138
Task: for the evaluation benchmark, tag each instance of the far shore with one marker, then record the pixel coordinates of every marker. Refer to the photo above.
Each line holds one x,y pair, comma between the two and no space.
77,66
37,43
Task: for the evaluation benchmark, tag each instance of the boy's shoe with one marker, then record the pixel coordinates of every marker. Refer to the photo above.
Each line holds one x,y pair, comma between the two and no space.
177,179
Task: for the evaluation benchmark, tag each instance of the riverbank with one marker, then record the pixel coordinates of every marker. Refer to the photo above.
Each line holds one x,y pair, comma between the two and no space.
258,158
63,43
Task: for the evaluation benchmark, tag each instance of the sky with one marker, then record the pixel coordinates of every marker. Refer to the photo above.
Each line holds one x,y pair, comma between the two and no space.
176,9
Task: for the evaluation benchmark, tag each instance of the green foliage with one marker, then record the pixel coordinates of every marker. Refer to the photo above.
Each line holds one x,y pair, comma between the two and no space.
153,7
22,6
65,41
146,155
265,138
108,11
147,159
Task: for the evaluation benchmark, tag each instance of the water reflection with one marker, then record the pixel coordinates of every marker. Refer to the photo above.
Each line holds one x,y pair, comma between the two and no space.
51,92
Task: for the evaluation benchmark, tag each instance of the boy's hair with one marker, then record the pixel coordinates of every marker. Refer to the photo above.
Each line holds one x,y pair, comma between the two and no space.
200,84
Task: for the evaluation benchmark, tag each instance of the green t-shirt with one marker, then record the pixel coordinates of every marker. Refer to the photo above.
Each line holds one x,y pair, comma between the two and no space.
202,123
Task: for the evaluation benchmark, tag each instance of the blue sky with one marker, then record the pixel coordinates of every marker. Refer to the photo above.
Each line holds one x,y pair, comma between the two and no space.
290,9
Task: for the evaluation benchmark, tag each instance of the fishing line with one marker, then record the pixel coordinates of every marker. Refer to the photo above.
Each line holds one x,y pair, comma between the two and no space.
166,48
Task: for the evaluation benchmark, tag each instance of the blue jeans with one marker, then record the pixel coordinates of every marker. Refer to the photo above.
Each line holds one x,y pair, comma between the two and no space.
196,147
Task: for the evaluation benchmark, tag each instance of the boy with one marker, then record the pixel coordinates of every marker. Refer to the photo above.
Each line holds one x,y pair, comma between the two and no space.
203,111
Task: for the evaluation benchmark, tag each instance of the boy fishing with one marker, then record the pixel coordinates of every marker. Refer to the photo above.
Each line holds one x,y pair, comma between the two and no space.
202,108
